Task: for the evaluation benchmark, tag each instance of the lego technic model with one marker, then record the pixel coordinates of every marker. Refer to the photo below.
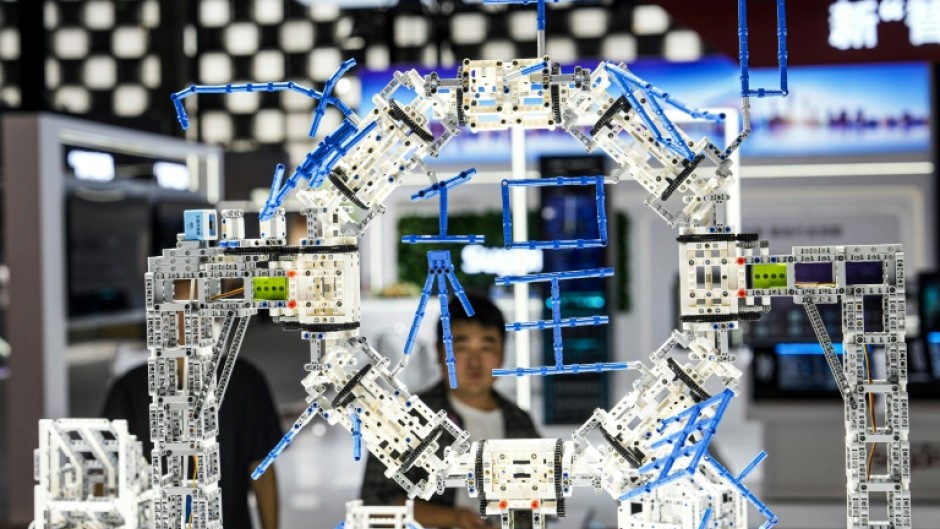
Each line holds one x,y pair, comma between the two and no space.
650,452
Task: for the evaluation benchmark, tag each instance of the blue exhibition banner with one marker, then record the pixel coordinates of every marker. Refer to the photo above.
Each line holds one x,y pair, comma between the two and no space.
846,110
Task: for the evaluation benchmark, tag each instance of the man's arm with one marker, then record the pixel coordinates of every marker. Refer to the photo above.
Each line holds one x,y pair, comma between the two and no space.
379,490
265,489
435,515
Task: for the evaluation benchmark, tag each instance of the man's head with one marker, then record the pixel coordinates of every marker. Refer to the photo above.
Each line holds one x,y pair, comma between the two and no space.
478,344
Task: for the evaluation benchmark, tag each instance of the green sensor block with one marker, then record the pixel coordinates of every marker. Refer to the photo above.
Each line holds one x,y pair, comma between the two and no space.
769,276
270,288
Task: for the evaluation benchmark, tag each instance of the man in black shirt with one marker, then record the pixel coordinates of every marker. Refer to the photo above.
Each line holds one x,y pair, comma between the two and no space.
248,429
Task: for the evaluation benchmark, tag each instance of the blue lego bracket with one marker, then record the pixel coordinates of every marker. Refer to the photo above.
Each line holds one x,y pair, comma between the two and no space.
441,272
556,324
319,162
744,53
689,433
441,189
628,83
562,244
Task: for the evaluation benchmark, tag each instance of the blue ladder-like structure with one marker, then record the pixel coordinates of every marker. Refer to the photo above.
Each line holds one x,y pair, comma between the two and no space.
700,420
557,323
441,270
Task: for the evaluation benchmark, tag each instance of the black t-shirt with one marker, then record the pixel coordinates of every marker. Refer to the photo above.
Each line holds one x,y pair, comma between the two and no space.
248,430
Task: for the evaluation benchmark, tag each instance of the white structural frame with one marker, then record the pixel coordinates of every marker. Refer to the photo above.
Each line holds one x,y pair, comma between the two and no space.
90,474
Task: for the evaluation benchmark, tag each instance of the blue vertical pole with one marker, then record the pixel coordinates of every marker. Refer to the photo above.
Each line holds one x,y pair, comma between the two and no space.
601,212
743,53
782,45
507,216
442,222
556,319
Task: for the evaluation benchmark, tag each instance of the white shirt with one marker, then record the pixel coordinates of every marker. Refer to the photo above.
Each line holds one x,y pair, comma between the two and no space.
481,424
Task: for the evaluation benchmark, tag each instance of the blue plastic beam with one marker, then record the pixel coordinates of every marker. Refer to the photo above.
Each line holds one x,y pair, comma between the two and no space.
419,314
546,277
627,84
448,338
440,271
319,162
765,511
752,465
435,189
327,95
583,321
570,369
285,441
447,239
705,518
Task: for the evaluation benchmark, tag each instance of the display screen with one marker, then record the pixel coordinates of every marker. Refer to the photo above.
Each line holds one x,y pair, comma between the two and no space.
929,302
567,213
789,362
109,239
831,111
798,370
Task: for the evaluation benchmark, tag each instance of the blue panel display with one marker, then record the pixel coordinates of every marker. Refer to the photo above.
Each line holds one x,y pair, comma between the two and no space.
832,111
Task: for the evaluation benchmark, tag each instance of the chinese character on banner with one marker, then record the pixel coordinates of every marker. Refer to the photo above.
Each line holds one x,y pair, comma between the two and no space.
891,10
923,20
854,25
